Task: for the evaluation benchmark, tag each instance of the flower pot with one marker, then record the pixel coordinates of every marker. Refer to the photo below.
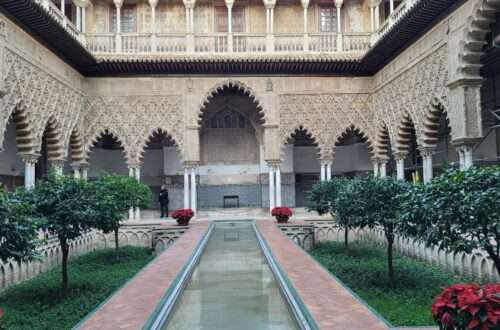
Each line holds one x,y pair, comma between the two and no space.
183,221
282,219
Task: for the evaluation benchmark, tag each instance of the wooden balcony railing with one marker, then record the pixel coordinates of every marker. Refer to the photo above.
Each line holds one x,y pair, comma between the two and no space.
400,12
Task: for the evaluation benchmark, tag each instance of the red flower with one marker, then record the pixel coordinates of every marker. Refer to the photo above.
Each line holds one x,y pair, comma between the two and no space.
183,214
447,319
284,212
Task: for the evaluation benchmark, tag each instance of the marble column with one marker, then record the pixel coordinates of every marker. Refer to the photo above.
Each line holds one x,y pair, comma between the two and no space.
118,6
340,38
323,172
131,173
328,171
400,165
465,154
153,4
29,169
376,168
79,18
84,170
63,7
76,170
428,171
193,189
137,173
186,187
84,17
271,188
305,6
377,17
391,6
278,186
383,168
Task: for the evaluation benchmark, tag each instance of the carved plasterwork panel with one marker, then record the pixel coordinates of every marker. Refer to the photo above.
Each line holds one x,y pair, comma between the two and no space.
414,93
41,97
132,120
326,117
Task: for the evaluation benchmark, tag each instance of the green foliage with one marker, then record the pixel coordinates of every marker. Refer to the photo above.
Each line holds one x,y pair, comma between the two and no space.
458,211
67,206
18,227
382,206
322,197
115,196
39,303
340,198
362,268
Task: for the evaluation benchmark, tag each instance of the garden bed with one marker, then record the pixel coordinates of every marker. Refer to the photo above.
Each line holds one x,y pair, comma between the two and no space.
363,268
39,303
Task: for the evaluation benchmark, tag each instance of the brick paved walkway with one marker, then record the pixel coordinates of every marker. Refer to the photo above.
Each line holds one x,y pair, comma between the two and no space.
131,307
331,305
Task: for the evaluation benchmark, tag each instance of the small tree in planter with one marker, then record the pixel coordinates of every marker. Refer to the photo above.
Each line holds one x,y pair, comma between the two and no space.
381,203
282,214
18,227
183,216
468,307
67,206
116,194
458,211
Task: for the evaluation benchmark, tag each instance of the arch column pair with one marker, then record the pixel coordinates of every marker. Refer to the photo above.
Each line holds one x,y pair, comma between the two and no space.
80,170
326,169
134,171
190,185
379,167
274,183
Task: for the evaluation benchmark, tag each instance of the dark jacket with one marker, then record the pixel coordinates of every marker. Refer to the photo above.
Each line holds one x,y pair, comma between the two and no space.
163,197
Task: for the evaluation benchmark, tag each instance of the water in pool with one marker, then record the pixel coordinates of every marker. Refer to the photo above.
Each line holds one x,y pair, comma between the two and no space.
232,287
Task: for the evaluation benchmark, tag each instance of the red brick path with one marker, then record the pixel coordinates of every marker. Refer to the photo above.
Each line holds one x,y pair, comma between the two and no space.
331,305
131,307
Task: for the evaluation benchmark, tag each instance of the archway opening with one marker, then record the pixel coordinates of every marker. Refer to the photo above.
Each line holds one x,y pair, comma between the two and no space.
107,156
50,149
487,152
302,149
408,145
17,139
231,145
384,146
352,154
162,165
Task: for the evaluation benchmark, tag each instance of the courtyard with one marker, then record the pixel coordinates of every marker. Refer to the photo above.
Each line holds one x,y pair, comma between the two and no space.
250,164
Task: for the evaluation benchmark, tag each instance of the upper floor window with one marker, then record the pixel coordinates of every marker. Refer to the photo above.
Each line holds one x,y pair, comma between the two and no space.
238,19
128,19
328,19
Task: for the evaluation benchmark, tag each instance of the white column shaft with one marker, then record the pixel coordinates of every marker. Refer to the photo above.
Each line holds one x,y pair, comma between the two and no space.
271,21
191,19
461,158
63,7
323,173
400,167
383,170
131,173
29,175
271,188
153,19
391,5
76,173
85,173
84,17
118,20
278,187
377,17
372,18
188,20
375,169
427,168
230,19
328,172
193,189
339,20
138,178
468,160
186,188
78,18
305,20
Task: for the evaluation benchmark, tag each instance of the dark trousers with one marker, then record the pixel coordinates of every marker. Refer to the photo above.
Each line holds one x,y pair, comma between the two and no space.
164,210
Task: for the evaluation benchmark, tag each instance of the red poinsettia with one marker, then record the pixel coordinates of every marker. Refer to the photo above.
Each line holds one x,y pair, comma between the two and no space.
282,214
468,307
183,214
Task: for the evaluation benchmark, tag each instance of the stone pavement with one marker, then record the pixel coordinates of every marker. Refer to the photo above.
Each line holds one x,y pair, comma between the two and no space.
331,305
132,305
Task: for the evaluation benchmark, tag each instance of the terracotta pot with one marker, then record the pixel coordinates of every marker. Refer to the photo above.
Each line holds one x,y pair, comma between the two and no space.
282,219
183,221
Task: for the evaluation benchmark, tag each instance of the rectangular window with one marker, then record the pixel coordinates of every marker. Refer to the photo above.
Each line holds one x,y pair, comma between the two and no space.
128,19
328,19
238,18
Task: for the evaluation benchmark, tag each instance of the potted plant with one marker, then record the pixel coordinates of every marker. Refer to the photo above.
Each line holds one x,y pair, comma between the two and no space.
282,214
183,216
468,307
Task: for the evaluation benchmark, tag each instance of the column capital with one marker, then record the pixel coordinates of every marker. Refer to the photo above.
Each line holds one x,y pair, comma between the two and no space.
269,4
339,3
31,158
273,163
374,3
304,3
326,161
81,3
467,142
427,151
134,164
468,81
153,3
58,162
190,165
400,155
229,3
118,3
189,3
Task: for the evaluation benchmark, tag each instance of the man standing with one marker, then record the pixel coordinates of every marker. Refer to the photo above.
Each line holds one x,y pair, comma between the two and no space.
163,199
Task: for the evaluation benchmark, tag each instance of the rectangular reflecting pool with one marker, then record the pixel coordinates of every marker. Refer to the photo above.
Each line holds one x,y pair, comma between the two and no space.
232,287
